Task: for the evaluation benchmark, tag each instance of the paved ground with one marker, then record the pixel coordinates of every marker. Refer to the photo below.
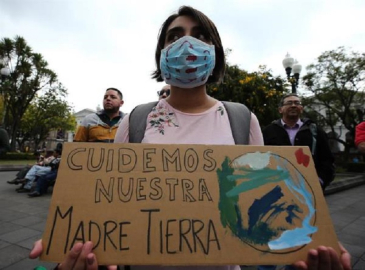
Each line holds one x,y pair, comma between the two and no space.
22,220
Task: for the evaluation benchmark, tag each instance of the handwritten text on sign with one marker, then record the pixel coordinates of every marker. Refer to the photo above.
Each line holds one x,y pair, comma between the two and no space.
186,204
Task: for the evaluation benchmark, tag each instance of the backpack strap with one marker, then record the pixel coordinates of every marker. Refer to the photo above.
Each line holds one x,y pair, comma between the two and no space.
313,129
239,117
138,121
240,120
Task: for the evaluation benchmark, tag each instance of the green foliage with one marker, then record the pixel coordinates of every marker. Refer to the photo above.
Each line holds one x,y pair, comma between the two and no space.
260,91
46,113
310,113
1,107
336,81
356,167
340,169
29,74
19,156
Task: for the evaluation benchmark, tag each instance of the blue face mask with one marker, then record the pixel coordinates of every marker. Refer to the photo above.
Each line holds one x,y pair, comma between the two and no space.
187,63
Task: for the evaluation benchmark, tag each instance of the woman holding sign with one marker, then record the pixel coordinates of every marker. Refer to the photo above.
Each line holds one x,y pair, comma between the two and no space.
189,55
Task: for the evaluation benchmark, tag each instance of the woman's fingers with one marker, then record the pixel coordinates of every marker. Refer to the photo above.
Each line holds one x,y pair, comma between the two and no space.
345,258
36,250
310,264
87,259
324,258
300,265
335,259
80,257
92,264
71,257
312,259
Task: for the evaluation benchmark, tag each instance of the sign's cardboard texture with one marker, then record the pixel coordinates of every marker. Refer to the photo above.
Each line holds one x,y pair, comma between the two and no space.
146,204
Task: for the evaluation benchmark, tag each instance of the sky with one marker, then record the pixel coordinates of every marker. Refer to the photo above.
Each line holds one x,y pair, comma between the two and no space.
96,44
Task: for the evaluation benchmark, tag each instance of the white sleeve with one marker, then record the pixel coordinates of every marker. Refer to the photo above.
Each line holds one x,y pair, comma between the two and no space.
122,135
255,131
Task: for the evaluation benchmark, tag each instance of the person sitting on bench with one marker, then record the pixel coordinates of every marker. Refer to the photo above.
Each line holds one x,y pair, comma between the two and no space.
44,181
37,171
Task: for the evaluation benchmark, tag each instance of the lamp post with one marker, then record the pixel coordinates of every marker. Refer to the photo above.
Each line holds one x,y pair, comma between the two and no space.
5,71
290,66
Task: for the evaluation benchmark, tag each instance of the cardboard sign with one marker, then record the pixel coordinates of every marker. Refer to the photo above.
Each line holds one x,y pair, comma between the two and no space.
146,204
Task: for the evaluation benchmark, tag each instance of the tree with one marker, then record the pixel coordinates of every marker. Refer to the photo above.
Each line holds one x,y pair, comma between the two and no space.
1,107
46,113
260,91
29,75
336,82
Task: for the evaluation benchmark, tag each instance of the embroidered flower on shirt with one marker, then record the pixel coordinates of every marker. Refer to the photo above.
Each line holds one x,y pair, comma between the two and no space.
221,110
160,117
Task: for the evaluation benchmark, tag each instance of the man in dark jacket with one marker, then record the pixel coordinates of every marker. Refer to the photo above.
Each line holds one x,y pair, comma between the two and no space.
292,130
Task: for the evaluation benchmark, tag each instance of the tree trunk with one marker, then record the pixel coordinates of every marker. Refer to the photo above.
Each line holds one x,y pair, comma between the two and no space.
14,129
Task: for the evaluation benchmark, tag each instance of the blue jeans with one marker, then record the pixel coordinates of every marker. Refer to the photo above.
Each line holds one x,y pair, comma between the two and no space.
35,171
44,181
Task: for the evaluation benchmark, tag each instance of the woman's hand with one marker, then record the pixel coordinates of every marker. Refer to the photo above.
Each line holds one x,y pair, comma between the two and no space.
79,257
36,250
325,258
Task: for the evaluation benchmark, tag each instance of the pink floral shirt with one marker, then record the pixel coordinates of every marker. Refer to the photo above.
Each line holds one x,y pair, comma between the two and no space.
167,125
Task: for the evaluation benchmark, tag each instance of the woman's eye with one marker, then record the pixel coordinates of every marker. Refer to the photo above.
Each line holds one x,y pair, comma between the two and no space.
203,38
172,38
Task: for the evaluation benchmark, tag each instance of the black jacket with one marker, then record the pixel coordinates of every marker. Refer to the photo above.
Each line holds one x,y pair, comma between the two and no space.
275,134
54,164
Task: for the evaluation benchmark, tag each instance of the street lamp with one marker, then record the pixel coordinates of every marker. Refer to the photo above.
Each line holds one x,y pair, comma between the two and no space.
290,66
5,71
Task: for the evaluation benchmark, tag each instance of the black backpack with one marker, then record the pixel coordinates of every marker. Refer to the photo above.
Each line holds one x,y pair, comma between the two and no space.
239,117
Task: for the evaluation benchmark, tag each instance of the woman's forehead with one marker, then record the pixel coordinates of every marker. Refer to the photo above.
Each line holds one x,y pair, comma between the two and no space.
184,22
